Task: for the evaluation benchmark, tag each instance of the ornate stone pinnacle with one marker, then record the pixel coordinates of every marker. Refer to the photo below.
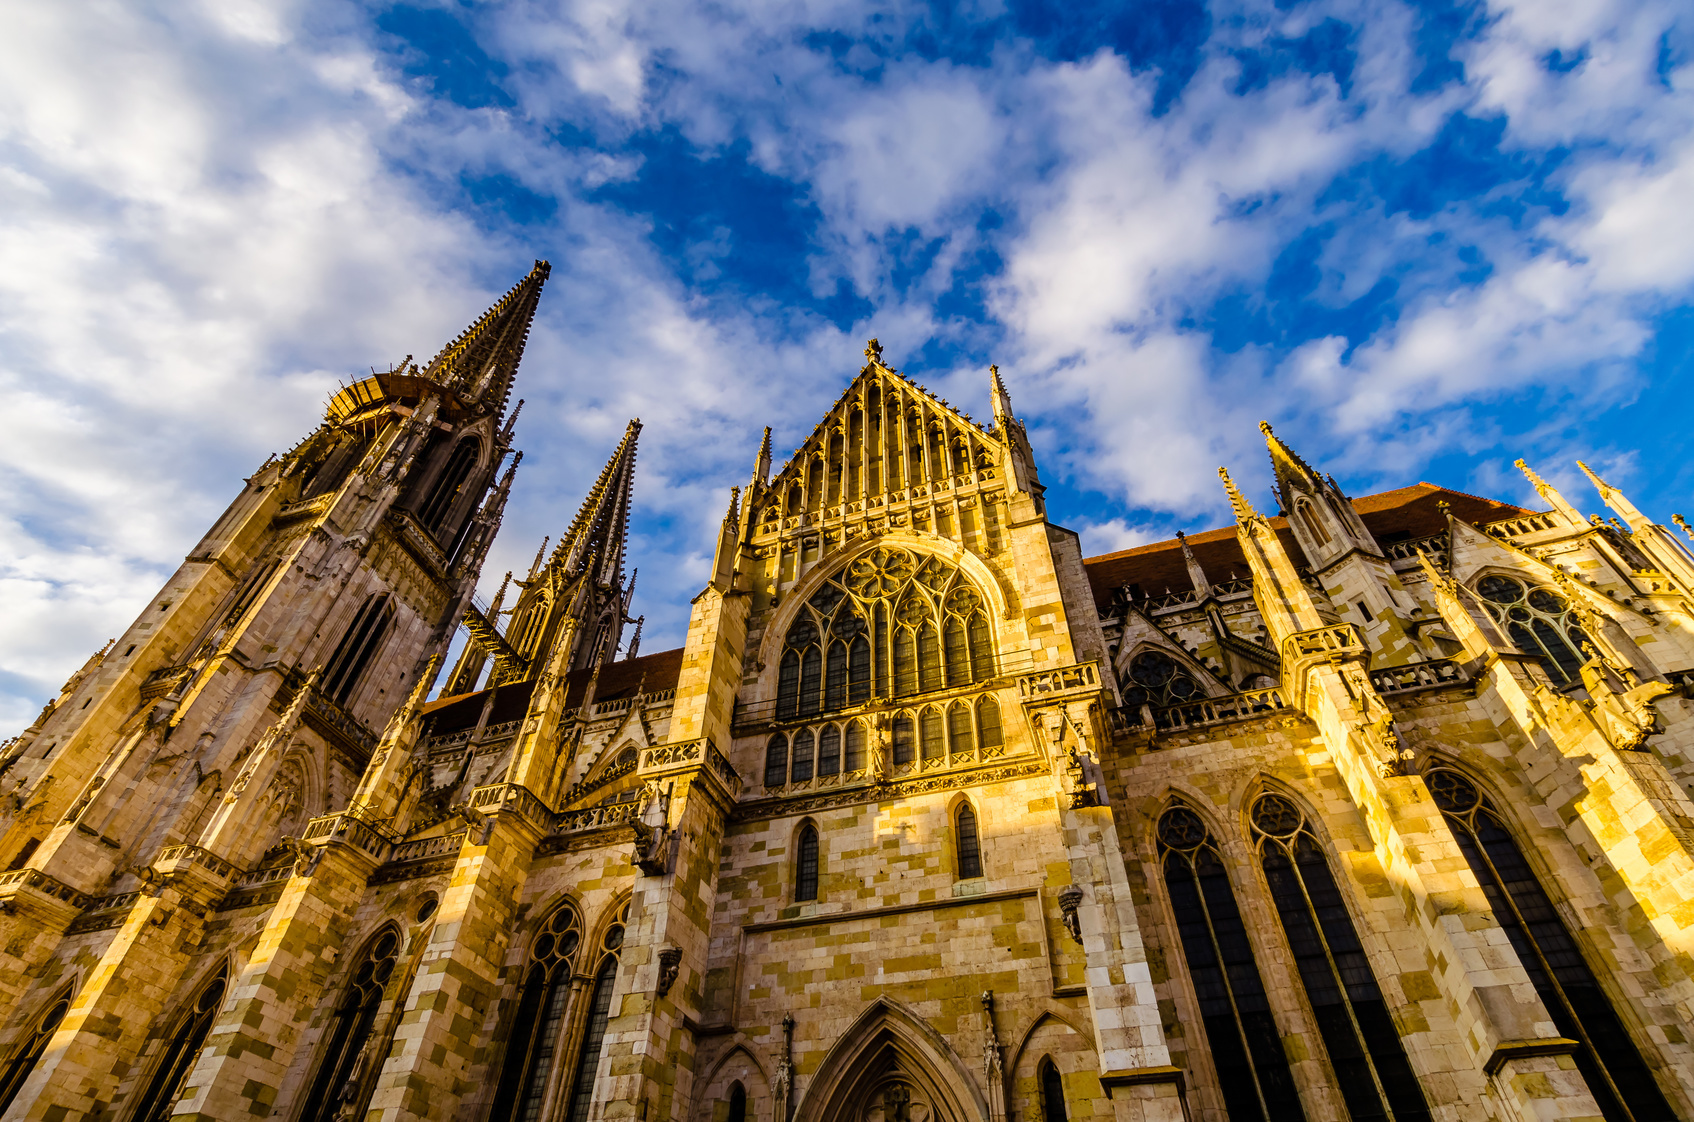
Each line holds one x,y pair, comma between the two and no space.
873,351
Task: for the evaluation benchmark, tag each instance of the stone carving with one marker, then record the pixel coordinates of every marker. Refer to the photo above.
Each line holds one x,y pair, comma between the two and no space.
670,965
1070,899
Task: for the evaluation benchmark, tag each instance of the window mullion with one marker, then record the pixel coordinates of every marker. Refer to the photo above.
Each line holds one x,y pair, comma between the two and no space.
1228,983
1546,967
1340,983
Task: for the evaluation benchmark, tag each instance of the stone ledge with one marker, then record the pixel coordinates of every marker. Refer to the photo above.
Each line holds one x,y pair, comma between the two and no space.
821,919
1141,1076
1508,1050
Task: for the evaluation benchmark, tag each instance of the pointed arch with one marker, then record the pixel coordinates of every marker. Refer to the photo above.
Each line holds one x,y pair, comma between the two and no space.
26,1052
182,1047
887,1043
344,1059
739,1065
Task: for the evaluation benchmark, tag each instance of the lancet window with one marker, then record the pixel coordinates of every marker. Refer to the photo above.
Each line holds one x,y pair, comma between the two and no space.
966,730
1246,1047
1156,679
356,648
968,841
1539,622
28,1053
1364,1047
543,1004
1620,1080
340,1071
806,864
599,1014
1052,1093
449,486
893,624
174,1067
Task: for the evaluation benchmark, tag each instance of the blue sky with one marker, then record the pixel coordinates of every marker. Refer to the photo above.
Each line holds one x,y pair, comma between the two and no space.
1422,240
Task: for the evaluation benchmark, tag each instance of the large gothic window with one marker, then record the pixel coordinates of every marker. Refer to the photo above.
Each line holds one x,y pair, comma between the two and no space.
339,1070
1156,679
599,1015
1622,1083
356,649
1364,1047
543,1005
449,486
28,1052
1246,1046
177,1063
892,625
1539,622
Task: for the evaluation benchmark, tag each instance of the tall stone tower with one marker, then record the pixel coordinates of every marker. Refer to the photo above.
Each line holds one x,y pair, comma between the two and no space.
250,694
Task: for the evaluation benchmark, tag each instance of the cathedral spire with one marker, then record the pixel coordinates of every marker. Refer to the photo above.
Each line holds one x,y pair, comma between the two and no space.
1549,494
1292,473
762,461
595,540
480,363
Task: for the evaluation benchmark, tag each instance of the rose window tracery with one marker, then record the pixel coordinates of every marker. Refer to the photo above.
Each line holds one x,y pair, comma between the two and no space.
1157,679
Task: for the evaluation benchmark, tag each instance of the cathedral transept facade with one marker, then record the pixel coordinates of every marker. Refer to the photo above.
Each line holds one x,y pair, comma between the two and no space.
1374,808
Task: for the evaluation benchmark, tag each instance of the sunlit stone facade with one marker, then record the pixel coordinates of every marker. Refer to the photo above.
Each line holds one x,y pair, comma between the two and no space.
1373,809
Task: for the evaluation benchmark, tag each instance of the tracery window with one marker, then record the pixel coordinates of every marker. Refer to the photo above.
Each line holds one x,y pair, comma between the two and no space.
599,1014
1375,1078
543,1006
177,1062
350,1030
1620,1080
1539,622
1156,679
892,624
28,1053
806,864
969,844
1246,1047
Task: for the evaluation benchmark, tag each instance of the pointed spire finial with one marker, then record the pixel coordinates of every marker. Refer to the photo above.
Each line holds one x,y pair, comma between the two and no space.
1616,499
499,598
1202,586
535,566
873,352
762,461
635,639
1549,493
482,361
1001,400
1243,509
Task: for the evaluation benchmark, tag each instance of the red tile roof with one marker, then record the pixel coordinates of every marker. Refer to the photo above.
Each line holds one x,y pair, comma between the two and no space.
1392,516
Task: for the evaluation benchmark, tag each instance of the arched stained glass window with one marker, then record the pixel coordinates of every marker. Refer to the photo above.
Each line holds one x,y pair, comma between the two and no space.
905,740
959,729
931,740
800,769
599,1015
1246,1047
990,733
776,761
1364,1047
853,758
969,844
806,864
1620,1079
28,1053
893,623
350,1029
532,1043
1540,623
829,750
174,1067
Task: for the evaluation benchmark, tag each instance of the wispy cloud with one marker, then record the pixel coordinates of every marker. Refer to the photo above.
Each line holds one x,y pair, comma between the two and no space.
1418,239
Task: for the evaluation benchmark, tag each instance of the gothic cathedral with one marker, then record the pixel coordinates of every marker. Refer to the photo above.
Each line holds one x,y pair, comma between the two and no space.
1373,809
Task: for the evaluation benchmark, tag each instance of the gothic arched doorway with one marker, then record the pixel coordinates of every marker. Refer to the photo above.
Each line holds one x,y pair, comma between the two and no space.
891,1066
